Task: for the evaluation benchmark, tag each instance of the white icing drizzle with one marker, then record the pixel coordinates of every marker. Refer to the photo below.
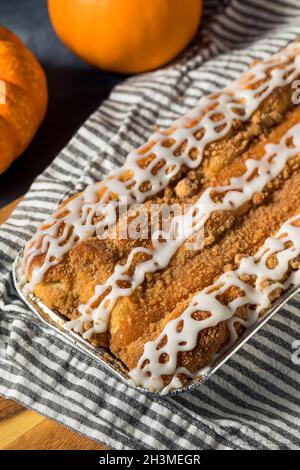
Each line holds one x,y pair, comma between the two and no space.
76,220
240,190
181,334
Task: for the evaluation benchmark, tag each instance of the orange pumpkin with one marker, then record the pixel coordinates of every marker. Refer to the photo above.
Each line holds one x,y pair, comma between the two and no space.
127,36
23,97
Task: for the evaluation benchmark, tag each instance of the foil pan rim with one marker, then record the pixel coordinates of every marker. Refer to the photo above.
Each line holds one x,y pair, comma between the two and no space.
54,321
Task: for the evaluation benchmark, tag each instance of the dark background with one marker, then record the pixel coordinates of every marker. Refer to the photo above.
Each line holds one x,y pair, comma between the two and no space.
75,91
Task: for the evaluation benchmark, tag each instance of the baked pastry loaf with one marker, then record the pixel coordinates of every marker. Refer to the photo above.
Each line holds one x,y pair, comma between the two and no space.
167,297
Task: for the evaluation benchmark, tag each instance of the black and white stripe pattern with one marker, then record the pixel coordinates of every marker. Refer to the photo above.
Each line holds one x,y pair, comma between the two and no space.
251,403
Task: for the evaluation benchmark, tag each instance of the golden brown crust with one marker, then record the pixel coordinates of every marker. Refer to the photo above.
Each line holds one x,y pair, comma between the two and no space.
190,273
165,294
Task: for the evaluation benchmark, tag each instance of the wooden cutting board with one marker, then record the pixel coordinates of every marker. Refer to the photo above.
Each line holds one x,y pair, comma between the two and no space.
7,210
22,429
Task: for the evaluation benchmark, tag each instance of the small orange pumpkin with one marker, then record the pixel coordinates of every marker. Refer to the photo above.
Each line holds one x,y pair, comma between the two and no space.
23,97
127,36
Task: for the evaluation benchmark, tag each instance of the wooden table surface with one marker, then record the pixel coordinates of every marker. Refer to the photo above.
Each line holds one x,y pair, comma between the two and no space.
22,429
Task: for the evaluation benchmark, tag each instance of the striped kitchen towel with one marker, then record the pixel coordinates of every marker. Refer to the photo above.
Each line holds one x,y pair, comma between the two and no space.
253,402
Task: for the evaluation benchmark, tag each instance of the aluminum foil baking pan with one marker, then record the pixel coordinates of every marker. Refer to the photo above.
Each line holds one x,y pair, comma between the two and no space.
105,358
